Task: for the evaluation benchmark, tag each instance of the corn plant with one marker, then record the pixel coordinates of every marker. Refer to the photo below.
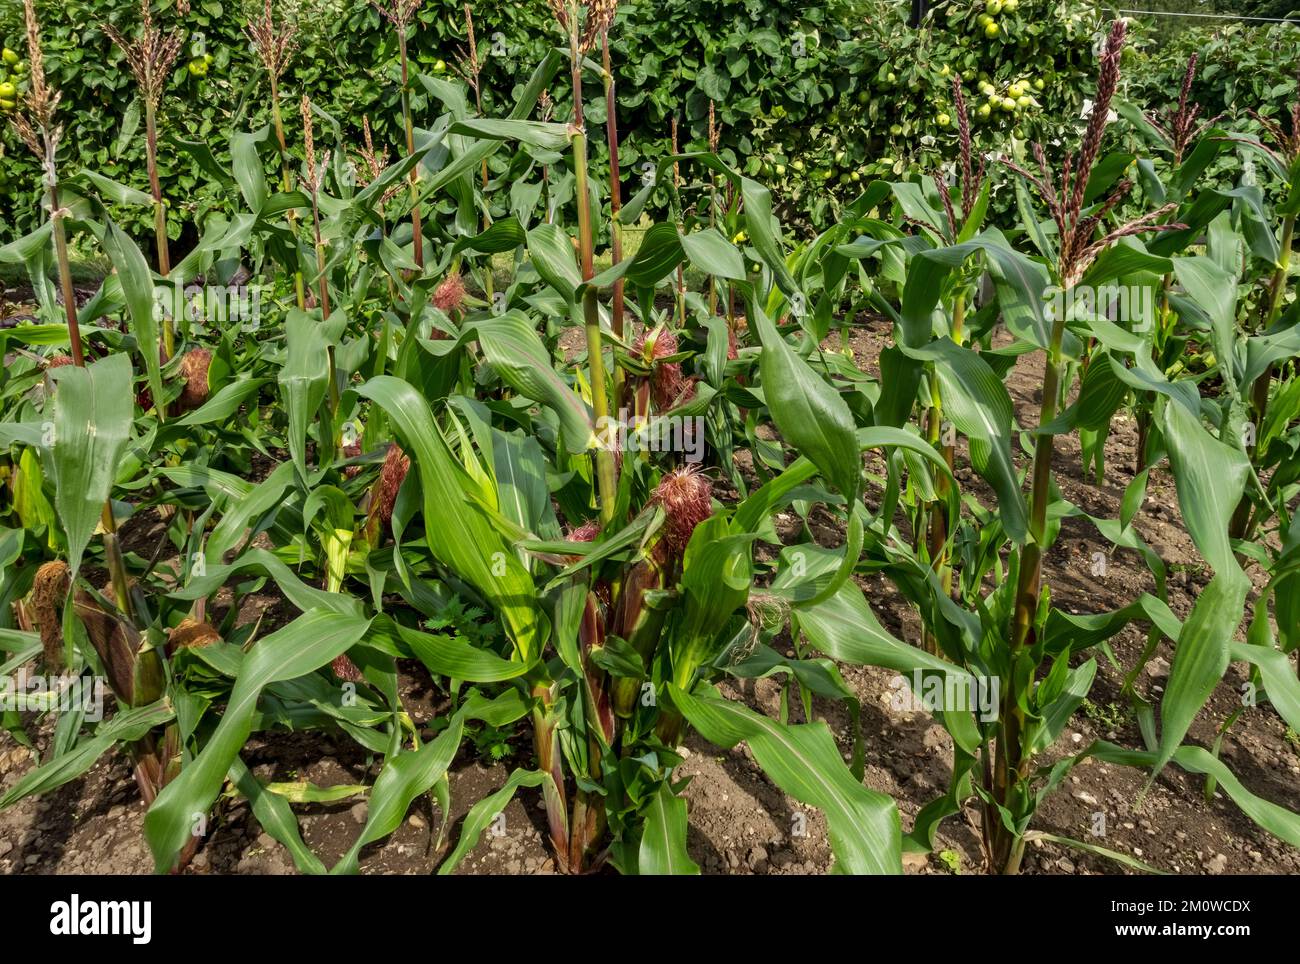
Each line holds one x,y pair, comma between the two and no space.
150,58
423,474
275,44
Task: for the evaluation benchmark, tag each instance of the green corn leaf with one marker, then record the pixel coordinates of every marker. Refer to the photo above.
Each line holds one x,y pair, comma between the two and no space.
812,416
452,656
765,232
459,536
1209,477
125,726
1279,821
977,403
804,761
547,136
137,286
663,839
224,403
482,814
403,778
513,348
552,255
304,379
1280,682
250,173
504,235
309,642
92,422
713,254
118,193
276,817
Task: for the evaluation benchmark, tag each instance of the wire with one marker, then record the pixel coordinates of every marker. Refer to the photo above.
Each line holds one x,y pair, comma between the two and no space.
1209,16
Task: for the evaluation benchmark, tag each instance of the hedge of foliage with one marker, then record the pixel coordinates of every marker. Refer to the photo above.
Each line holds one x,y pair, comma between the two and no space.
812,97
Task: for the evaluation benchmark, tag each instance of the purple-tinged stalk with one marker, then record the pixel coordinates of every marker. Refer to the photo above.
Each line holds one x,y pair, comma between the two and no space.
38,129
471,67
1078,249
400,13
574,832
315,177
275,45
933,526
582,33
150,58
615,201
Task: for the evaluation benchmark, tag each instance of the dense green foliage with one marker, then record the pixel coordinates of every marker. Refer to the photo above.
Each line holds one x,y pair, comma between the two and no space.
815,97
405,437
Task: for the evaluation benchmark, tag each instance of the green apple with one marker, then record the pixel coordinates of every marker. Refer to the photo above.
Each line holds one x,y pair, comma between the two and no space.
1039,84
780,170
943,120
8,91
1016,90
992,30
993,6
895,129
984,111
796,165
10,57
1024,101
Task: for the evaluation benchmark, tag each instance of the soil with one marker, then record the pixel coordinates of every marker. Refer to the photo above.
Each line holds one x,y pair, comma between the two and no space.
740,823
